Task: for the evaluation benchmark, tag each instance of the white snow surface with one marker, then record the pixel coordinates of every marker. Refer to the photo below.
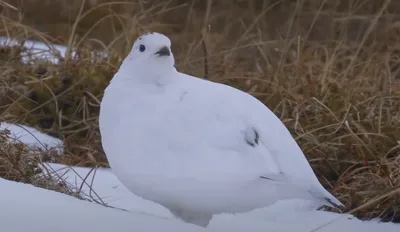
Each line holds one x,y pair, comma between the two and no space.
40,50
32,137
198,147
284,216
27,208
37,49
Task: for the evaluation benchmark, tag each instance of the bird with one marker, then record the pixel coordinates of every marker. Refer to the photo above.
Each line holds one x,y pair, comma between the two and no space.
198,148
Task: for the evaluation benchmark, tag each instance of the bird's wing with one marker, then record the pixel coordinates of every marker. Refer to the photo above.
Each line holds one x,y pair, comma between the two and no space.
282,157
275,137
263,129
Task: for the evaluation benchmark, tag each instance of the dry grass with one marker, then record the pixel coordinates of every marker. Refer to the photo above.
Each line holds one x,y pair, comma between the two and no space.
20,163
329,69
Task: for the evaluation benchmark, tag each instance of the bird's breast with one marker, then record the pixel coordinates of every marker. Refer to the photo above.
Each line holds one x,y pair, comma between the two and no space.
159,132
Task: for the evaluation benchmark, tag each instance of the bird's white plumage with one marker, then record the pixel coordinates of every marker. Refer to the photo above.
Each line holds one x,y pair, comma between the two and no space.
197,147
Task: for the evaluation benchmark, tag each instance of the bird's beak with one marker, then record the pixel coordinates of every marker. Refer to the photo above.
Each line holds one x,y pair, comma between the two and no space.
164,51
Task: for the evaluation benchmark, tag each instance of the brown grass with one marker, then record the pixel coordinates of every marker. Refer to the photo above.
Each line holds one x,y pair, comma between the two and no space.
20,163
328,69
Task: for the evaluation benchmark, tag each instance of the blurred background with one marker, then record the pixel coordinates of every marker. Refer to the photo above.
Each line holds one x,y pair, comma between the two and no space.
328,69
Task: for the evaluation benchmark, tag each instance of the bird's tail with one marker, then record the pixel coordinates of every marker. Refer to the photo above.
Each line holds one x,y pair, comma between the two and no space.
328,199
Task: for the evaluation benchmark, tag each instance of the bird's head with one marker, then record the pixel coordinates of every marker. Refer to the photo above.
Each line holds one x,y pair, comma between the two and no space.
152,54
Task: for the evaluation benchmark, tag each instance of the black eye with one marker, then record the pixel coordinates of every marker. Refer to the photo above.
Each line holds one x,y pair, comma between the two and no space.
142,48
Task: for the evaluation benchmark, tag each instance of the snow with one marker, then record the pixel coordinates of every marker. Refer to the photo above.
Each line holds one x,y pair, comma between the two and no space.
39,50
113,193
32,137
28,208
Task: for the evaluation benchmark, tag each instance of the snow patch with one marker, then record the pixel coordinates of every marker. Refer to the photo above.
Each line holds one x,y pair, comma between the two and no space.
32,137
28,208
39,50
284,216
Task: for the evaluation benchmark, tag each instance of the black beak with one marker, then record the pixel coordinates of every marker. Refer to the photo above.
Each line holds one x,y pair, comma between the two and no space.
164,51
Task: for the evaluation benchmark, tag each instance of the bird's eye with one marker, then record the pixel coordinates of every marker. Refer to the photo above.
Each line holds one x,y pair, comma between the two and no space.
142,48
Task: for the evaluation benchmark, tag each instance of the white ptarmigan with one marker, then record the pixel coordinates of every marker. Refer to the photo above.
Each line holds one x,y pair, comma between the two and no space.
197,147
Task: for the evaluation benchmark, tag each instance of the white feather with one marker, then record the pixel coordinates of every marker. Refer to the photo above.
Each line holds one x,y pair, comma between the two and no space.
197,147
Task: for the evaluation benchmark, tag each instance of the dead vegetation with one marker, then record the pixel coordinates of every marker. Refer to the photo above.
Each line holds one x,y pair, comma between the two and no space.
20,163
328,69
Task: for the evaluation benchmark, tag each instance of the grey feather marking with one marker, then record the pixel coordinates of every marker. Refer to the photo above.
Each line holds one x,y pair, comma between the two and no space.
331,202
274,177
252,137
264,177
